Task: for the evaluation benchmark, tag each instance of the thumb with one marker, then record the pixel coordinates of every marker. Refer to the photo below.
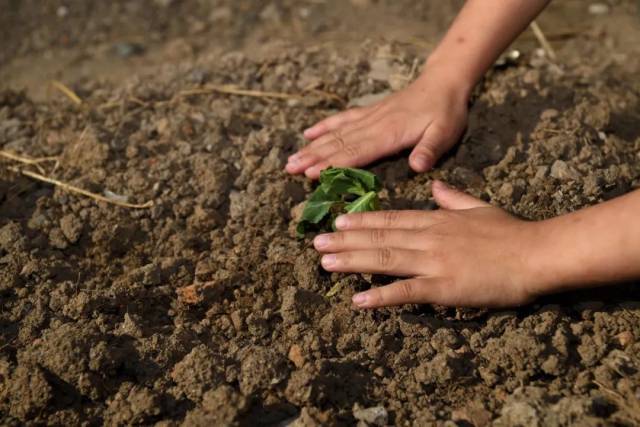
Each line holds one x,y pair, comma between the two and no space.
450,198
435,141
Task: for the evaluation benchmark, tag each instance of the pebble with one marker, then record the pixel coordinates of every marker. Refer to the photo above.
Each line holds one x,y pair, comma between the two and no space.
625,338
295,355
375,415
560,170
62,11
598,9
236,320
71,227
550,113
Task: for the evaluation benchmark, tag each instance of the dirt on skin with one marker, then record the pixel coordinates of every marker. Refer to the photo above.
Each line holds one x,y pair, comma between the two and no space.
206,310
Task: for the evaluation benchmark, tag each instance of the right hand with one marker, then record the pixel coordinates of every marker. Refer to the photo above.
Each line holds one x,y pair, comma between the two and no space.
429,115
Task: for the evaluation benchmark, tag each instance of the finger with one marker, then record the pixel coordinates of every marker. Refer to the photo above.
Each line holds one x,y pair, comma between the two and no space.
435,141
300,162
333,122
412,291
392,219
358,147
368,239
319,150
450,198
398,262
350,149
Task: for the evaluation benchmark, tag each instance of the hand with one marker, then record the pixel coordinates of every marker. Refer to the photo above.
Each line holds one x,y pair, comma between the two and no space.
430,114
467,254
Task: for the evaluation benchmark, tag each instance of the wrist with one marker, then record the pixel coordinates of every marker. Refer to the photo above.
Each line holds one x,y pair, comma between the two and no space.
562,256
447,72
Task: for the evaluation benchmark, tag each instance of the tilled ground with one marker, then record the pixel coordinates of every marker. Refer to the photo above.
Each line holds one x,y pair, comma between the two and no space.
206,310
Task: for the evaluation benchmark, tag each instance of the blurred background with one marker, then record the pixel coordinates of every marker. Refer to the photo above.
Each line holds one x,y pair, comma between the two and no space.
76,40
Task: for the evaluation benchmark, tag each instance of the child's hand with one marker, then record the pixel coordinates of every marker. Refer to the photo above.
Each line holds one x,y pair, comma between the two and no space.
430,114
467,254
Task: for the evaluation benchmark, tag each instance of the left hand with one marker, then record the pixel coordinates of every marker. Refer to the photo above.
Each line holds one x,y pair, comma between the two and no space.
428,116
467,254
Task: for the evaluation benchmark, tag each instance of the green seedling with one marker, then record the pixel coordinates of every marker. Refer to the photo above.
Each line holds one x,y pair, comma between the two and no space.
341,190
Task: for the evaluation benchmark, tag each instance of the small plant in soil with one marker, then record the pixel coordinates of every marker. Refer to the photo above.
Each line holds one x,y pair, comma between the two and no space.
341,190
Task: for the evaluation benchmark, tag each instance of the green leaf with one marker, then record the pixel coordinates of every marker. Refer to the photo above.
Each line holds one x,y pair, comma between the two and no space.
316,209
368,202
338,187
369,180
349,180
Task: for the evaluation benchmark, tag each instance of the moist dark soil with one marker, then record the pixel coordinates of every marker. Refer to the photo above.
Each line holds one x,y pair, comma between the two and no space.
205,309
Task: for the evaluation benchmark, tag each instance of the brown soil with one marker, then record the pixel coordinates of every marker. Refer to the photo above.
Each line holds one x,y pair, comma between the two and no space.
206,310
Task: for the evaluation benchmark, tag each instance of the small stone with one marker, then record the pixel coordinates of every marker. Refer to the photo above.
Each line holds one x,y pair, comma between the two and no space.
295,355
62,11
473,413
236,319
190,295
375,415
550,113
71,227
598,9
560,170
625,338
130,326
57,239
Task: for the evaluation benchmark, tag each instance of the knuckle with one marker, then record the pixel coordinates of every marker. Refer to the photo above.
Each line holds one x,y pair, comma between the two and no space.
390,218
337,238
407,290
378,236
351,150
385,257
425,237
344,259
428,150
356,220
337,142
378,297
436,255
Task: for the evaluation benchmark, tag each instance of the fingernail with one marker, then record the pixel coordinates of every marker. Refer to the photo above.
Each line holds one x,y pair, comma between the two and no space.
421,161
307,131
328,261
361,299
312,172
294,159
291,168
321,241
342,222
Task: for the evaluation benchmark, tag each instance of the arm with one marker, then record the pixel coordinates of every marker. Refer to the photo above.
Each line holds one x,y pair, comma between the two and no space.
479,34
431,113
472,254
593,246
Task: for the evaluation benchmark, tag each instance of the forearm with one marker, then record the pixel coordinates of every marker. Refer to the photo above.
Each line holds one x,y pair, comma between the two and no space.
590,247
480,33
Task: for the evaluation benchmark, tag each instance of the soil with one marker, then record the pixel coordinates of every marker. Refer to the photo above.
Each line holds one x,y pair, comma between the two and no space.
206,310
